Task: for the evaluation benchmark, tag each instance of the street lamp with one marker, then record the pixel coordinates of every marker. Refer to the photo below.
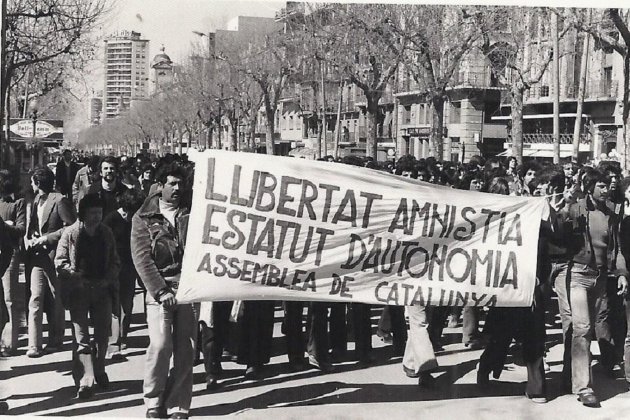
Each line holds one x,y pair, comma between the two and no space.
34,109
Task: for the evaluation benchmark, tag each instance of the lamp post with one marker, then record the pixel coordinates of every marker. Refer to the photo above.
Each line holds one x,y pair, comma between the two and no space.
34,108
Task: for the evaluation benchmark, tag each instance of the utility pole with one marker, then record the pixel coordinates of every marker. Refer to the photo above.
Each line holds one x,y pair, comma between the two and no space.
323,107
556,88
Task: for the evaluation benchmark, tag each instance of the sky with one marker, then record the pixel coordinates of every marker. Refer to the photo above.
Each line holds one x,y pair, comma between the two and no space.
171,22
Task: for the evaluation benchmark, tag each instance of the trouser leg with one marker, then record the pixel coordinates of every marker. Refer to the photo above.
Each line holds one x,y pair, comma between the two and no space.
293,318
178,394
55,312
470,329
214,339
533,337
317,344
626,348
159,351
419,355
14,301
583,289
564,307
399,327
101,313
362,324
82,365
38,284
338,331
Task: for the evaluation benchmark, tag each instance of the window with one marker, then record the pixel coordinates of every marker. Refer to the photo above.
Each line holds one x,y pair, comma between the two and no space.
455,116
406,114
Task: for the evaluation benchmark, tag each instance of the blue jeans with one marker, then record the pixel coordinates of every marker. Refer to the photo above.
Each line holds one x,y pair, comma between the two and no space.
589,308
172,333
560,280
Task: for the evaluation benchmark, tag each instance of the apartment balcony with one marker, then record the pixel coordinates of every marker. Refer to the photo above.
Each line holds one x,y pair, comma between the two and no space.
476,80
602,89
548,138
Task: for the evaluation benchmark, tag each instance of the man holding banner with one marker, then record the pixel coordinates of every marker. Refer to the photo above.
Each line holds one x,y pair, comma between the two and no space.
158,236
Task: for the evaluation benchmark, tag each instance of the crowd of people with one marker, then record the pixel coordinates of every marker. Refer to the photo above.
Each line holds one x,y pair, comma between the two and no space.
90,235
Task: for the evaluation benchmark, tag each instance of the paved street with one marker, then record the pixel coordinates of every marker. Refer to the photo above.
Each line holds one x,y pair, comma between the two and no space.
44,387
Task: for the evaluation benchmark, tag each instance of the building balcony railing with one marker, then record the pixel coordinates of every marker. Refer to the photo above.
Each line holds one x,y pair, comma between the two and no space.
602,89
548,138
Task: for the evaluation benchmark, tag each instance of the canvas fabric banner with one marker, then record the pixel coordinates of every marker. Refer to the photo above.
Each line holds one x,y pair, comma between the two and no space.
277,228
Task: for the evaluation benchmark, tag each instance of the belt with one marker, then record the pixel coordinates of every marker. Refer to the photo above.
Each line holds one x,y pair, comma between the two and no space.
587,269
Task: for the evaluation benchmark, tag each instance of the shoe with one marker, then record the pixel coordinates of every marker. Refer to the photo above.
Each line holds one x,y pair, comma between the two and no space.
321,365
85,392
474,344
483,377
425,380
366,361
51,348
156,413
297,366
538,399
6,352
385,336
34,352
212,384
338,356
4,408
588,399
178,415
102,381
437,347
253,373
115,355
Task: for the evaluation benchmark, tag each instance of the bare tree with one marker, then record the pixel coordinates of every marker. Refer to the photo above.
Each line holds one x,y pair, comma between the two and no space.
513,43
40,31
439,39
610,28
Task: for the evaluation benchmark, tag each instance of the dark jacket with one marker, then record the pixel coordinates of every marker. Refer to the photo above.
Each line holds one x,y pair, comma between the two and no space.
110,200
157,262
66,260
63,183
578,239
13,211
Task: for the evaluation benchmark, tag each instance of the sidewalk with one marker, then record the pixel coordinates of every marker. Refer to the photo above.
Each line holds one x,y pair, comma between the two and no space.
44,387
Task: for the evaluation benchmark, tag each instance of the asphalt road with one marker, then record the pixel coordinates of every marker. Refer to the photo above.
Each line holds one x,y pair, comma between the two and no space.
44,386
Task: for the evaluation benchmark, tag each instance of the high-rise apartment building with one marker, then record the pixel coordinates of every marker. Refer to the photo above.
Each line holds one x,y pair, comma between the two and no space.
126,72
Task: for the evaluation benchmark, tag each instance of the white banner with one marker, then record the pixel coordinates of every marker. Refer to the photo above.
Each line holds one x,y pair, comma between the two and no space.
269,227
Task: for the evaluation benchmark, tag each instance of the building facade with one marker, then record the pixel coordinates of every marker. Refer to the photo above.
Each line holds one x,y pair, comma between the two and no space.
126,64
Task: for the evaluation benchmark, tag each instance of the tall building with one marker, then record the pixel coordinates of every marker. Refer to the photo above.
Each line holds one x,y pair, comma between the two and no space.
126,72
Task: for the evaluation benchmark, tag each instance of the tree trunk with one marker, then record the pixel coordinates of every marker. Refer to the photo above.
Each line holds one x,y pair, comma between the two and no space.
180,139
234,135
622,148
320,128
270,128
338,122
517,122
555,69
436,141
323,88
372,127
577,129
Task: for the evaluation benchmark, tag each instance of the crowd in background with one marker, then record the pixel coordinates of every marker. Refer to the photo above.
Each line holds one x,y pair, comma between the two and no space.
90,235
